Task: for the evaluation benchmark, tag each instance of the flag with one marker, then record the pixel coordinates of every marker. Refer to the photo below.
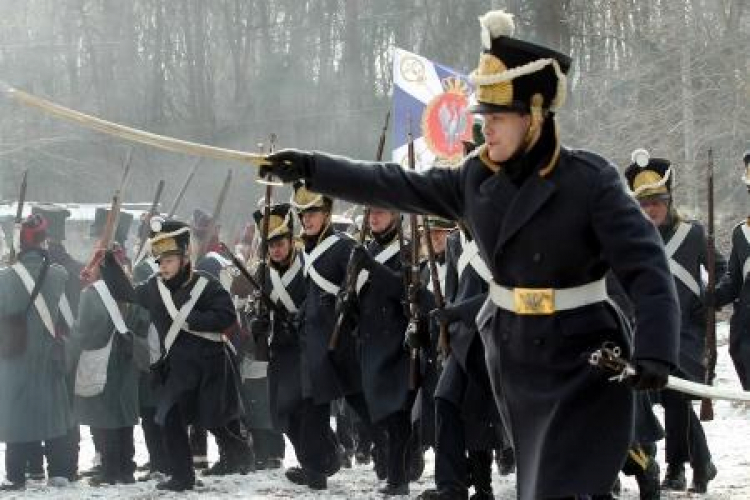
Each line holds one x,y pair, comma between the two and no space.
433,99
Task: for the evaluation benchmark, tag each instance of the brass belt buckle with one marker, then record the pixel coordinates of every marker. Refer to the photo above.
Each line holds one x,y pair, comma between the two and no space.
529,301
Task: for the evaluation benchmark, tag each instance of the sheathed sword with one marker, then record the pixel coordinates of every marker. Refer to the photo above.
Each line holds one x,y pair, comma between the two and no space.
609,357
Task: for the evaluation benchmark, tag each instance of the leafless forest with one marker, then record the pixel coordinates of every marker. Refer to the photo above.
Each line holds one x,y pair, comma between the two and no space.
669,75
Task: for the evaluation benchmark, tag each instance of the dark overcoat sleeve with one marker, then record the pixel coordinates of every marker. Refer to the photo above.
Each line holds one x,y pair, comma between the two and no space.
632,248
435,192
729,284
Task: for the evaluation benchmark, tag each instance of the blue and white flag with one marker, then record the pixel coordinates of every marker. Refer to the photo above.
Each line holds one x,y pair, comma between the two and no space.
431,99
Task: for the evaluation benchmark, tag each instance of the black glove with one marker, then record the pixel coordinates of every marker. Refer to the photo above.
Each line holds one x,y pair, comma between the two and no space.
361,258
289,165
260,327
650,374
445,315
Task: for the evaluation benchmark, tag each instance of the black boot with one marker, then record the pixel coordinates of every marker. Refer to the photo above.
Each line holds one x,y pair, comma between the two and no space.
175,484
11,486
391,490
701,477
648,481
442,495
416,464
295,475
315,480
674,479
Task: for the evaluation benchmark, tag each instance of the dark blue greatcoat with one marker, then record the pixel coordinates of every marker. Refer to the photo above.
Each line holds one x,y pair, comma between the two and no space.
327,376
733,287
464,380
691,255
570,426
382,322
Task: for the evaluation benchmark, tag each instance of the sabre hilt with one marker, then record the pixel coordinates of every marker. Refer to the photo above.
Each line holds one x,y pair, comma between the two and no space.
609,357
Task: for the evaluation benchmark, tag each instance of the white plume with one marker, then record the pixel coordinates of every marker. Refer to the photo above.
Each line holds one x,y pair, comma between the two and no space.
496,23
640,157
156,224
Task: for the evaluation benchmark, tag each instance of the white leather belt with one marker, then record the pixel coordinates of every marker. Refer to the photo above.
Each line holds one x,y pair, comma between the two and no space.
544,301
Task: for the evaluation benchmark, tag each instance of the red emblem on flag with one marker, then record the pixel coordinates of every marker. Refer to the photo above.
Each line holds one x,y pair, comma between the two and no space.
446,121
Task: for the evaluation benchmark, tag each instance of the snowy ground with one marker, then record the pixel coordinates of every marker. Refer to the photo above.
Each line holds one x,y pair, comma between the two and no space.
728,434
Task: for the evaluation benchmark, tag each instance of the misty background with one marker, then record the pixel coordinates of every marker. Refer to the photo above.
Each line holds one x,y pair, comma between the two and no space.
672,76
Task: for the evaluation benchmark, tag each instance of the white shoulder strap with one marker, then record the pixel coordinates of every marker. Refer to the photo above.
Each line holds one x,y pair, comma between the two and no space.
66,311
279,284
470,256
39,303
109,303
382,257
675,242
678,270
746,266
441,271
180,318
313,273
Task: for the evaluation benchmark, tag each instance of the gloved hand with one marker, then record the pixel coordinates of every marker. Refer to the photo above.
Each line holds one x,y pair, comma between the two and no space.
445,315
361,258
650,374
260,327
289,165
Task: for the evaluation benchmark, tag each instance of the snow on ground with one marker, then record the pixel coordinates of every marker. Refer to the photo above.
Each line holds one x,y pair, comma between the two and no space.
728,434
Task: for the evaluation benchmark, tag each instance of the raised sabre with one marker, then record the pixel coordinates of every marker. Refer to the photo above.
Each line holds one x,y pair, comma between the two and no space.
609,357
130,133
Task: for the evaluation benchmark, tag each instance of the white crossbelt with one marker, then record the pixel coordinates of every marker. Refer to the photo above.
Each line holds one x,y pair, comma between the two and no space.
66,311
313,273
470,256
279,284
111,306
746,266
563,298
382,257
39,303
679,272
180,317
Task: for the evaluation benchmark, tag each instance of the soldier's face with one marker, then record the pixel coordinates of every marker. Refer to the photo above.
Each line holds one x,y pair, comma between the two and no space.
380,220
504,133
656,210
313,221
438,238
279,249
169,266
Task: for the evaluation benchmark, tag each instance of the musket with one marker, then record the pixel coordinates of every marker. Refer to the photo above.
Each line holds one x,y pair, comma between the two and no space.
15,238
113,217
707,409
216,214
261,337
444,347
413,283
609,358
278,312
188,180
153,209
345,300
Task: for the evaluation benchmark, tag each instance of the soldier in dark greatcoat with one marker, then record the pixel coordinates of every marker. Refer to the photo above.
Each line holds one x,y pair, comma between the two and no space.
651,181
382,322
549,222
325,376
106,383
198,371
56,216
423,412
34,399
468,427
733,288
158,460
271,355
